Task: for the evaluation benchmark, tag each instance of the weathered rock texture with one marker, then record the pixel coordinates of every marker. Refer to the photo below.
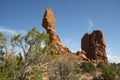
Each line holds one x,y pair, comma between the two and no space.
49,24
94,46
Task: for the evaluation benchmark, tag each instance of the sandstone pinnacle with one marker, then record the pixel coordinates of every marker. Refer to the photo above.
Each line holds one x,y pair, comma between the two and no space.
49,24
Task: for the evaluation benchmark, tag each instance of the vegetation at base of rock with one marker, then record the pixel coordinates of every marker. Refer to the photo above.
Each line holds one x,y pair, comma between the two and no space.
84,79
107,72
35,61
88,67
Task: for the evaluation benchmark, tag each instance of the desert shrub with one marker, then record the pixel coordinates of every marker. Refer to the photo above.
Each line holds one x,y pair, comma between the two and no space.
77,69
114,67
101,66
118,65
36,73
108,74
62,69
8,69
33,51
118,71
3,40
1,54
84,79
88,67
51,57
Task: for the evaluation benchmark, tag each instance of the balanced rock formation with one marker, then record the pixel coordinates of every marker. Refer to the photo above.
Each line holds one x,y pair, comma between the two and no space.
49,24
94,46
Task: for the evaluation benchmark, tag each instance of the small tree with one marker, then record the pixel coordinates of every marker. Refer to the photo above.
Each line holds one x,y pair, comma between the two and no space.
34,48
2,45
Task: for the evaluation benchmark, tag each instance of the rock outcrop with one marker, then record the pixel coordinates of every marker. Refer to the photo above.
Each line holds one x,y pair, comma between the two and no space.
82,55
94,46
49,24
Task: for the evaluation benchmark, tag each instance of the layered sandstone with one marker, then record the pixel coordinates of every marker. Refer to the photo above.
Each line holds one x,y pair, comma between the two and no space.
94,46
49,24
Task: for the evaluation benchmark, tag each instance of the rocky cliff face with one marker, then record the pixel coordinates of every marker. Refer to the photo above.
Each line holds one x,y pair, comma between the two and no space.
94,46
49,24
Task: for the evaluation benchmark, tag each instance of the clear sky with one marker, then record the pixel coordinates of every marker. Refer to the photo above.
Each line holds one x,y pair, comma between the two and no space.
73,19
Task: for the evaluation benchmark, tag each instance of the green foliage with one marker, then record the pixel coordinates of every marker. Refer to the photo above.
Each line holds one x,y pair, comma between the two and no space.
118,72
19,58
2,40
84,79
8,69
35,59
88,67
35,38
51,57
113,67
67,70
35,73
107,72
34,48
63,69
77,69
2,45
101,66
1,55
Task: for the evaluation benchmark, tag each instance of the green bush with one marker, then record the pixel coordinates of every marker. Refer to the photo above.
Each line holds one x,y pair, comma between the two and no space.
88,67
8,70
77,69
118,72
108,74
84,79
33,50
101,66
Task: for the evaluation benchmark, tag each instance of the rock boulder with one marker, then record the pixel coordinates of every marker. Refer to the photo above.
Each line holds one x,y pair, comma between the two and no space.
94,46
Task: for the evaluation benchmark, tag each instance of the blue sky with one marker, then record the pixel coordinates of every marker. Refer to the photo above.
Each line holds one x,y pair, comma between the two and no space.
73,19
